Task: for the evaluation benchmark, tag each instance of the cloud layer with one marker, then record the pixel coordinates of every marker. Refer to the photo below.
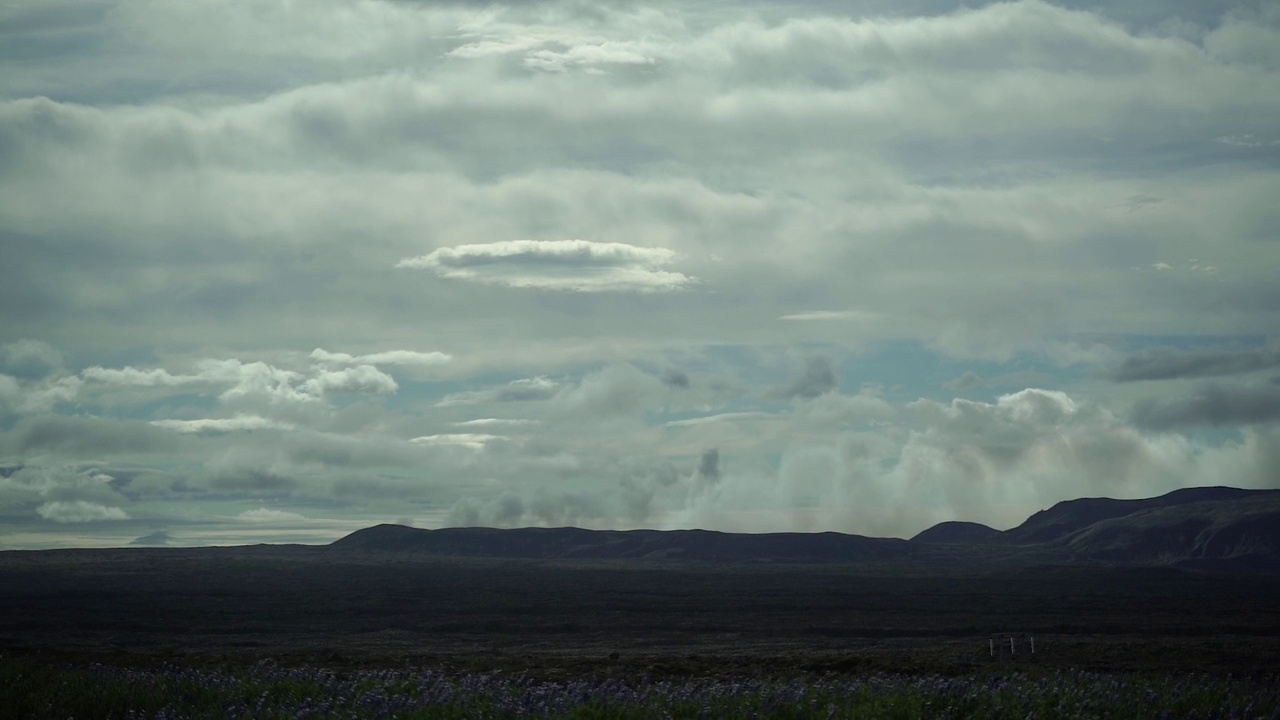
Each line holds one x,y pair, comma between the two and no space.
277,271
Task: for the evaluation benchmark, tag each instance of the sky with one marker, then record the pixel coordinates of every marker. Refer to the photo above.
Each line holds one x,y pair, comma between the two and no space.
275,271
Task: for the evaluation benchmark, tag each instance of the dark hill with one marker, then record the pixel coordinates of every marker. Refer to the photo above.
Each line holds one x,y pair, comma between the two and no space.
959,533
1072,516
1243,533
576,543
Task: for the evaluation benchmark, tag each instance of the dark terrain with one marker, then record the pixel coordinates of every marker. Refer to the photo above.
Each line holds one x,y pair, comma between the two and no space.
1186,582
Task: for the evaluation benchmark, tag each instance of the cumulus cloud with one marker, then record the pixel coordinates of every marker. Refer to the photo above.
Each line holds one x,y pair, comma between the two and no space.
573,265
80,511
356,379
134,376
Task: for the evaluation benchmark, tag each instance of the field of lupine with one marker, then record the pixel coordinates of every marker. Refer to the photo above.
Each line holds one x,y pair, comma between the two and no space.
267,690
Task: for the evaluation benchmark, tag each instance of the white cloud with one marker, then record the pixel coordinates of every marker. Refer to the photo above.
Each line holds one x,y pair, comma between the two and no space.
523,390
267,515
390,357
155,377
471,441
573,265
222,425
357,379
750,416
498,422
79,511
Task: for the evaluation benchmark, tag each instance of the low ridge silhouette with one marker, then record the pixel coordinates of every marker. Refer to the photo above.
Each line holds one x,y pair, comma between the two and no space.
1210,528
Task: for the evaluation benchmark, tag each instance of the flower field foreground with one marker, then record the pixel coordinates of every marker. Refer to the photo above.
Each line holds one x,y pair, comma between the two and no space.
268,690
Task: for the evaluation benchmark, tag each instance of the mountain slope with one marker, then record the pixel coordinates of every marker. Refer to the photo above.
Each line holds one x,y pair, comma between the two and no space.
1071,516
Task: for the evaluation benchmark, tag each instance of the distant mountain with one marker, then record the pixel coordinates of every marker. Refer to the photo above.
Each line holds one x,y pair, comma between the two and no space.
1206,527
1213,528
576,543
1071,516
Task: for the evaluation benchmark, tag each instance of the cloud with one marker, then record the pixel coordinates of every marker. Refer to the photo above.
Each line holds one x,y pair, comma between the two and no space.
1163,363
675,378
38,396
222,425
497,422
818,377
29,359
267,515
617,390
237,477
1212,404
89,436
228,186
471,441
709,466
811,315
572,265
966,381
155,377
80,511
523,390
506,510
159,537
409,358
745,416
356,379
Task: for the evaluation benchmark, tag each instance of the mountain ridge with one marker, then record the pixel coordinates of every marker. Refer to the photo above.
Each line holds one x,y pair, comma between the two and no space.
1206,528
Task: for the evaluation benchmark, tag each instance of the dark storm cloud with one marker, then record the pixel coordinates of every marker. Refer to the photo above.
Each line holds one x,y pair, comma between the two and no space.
817,378
1212,405
1164,363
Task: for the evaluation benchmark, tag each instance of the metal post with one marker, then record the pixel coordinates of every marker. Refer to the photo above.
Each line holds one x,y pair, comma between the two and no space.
993,647
1033,645
1012,650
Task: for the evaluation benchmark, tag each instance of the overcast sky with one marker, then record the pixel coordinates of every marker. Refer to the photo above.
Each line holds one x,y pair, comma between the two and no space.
274,271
